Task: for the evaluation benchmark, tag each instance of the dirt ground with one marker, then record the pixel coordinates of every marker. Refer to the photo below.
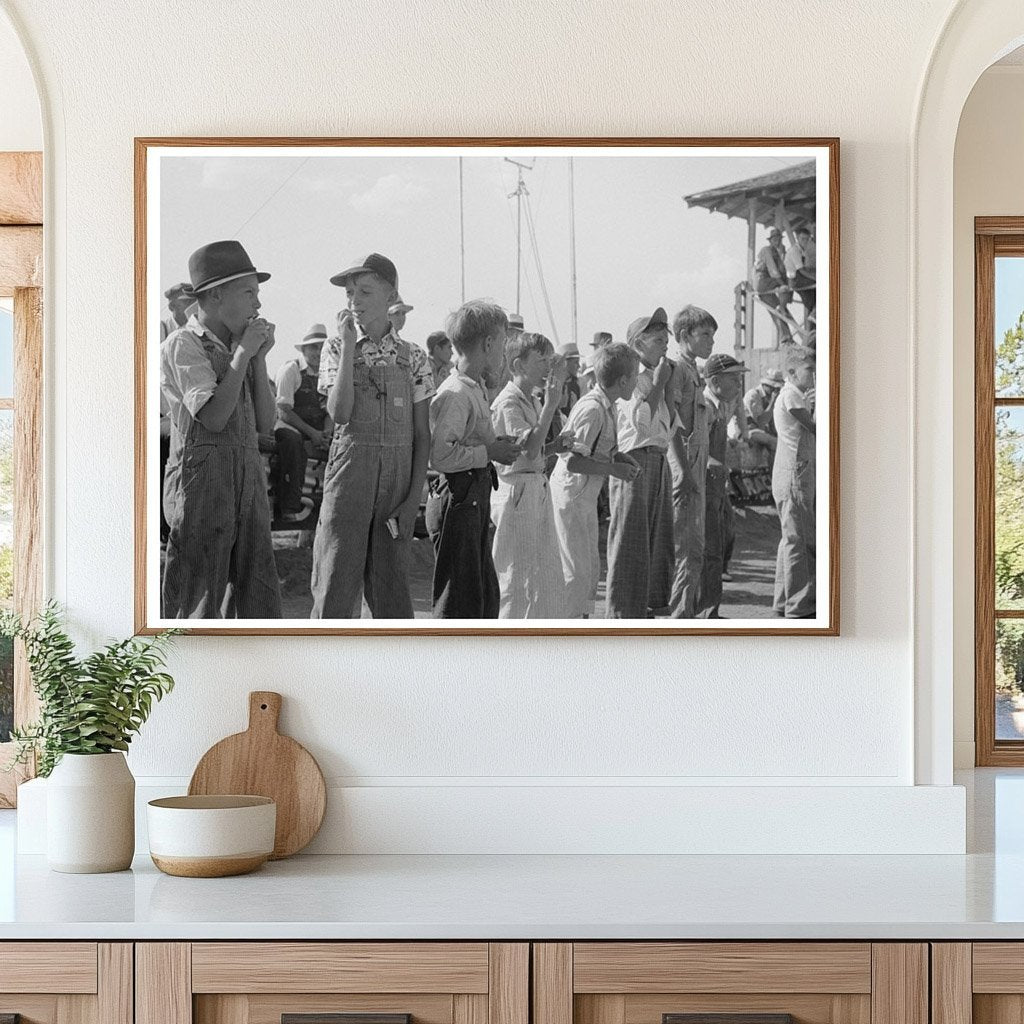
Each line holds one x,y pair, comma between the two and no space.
748,596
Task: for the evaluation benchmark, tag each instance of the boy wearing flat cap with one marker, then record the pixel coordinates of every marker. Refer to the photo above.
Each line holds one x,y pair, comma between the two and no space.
640,552
220,556
378,390
724,376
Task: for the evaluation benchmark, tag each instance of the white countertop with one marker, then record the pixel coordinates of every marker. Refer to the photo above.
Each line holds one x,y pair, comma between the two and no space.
516,897
976,896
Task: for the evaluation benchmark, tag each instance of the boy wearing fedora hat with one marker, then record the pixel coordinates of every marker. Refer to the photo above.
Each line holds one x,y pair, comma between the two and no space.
220,556
571,390
378,390
397,313
301,419
640,553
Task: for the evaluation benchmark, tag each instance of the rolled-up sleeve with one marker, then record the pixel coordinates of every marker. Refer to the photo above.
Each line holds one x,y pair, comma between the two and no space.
585,422
187,366
288,381
635,419
508,416
450,414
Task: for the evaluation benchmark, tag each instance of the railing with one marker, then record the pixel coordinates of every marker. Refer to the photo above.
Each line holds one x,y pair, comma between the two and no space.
800,331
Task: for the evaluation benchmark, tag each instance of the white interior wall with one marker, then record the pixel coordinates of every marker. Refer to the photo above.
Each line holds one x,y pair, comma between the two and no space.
989,156
431,716
21,126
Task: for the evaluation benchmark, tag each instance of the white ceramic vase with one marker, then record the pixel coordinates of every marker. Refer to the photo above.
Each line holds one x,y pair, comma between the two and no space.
90,814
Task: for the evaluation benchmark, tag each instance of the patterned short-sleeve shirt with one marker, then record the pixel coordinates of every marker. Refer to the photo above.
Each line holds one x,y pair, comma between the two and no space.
383,353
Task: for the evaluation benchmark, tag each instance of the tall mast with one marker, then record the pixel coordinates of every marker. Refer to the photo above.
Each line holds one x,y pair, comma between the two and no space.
572,246
520,191
462,234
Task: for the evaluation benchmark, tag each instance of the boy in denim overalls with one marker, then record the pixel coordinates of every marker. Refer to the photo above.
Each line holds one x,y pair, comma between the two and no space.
378,388
220,556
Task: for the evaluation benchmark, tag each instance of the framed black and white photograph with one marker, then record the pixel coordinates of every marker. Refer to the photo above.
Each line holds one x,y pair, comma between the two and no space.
444,386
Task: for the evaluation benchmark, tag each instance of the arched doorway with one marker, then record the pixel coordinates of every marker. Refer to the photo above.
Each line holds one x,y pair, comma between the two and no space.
977,33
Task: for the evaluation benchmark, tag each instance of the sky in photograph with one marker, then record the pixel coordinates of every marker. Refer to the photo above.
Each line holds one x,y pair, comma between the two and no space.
6,353
304,218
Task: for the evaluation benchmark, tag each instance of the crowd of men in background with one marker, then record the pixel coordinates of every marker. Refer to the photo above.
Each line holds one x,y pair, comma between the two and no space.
523,448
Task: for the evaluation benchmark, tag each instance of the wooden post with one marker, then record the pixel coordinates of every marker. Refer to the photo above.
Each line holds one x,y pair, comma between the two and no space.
28,482
751,243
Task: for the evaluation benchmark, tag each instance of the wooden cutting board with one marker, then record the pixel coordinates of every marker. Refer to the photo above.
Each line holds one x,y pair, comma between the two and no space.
262,762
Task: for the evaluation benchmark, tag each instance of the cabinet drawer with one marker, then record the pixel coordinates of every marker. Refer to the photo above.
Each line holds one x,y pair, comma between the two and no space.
66,982
340,967
730,983
65,967
332,983
635,967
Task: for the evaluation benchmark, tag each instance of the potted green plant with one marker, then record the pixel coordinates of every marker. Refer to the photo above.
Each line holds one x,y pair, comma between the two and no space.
89,710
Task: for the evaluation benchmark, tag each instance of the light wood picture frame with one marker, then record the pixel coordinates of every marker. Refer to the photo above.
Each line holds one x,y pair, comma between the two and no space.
638,227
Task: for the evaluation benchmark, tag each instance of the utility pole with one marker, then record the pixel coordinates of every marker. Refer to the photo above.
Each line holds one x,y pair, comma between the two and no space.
572,246
520,191
462,233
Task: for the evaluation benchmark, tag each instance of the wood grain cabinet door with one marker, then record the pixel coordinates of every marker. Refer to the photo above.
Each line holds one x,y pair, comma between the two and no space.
66,982
978,983
332,983
730,983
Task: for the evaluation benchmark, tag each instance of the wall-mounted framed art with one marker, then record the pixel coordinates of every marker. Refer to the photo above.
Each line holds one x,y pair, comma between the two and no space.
501,386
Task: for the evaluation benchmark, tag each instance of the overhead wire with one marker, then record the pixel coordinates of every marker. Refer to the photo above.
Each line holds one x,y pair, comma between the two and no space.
252,216
531,230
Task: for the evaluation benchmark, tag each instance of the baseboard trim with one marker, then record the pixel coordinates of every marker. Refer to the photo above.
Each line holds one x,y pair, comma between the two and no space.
452,819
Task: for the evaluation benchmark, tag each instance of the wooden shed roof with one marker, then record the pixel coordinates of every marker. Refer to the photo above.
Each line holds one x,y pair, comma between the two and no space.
794,186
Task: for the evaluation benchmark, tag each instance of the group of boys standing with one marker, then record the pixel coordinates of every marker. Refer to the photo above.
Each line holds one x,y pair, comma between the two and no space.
510,539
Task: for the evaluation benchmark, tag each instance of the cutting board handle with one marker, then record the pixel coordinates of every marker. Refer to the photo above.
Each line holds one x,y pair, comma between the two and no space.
264,710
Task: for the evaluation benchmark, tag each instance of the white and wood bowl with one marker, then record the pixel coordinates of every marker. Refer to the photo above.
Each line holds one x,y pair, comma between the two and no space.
211,836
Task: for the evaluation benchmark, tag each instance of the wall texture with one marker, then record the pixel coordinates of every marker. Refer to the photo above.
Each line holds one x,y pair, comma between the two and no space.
430,718
21,127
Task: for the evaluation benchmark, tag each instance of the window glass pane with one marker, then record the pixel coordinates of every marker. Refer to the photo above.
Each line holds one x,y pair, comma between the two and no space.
1009,679
6,567
6,353
1009,318
1009,532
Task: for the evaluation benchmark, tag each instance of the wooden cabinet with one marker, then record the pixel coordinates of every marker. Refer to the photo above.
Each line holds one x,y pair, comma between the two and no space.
512,983
978,983
306,982
66,982
757,982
